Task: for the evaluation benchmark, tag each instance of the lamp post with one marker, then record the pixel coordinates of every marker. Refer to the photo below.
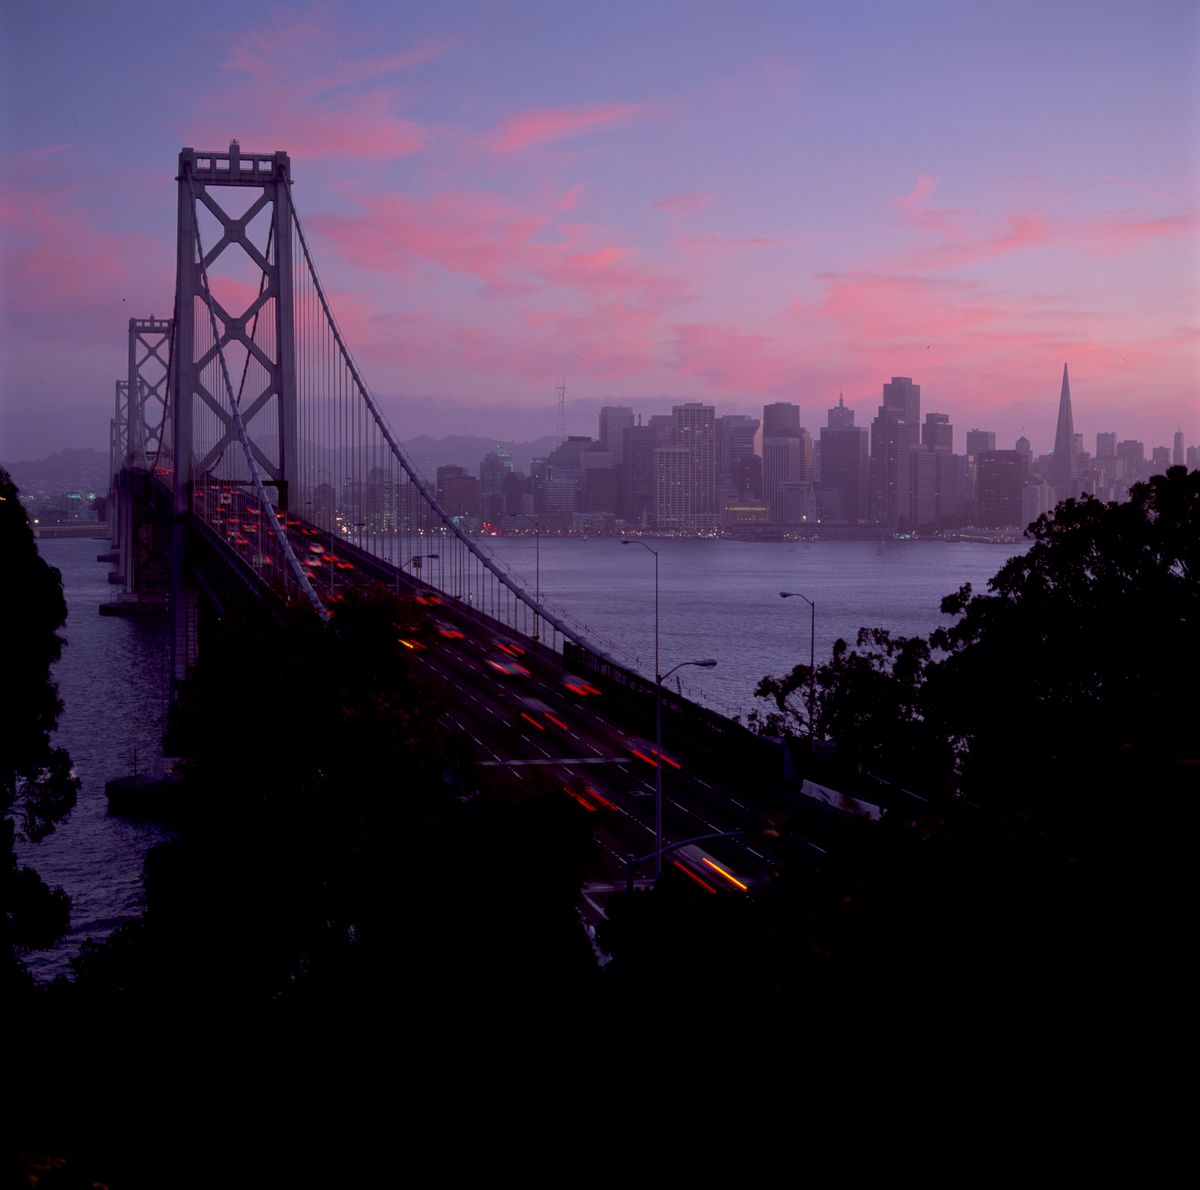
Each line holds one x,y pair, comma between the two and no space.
658,757
537,569
415,563
635,541
659,678
812,659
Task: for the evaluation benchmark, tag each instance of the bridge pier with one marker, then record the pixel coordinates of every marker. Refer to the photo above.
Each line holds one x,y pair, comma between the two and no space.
142,540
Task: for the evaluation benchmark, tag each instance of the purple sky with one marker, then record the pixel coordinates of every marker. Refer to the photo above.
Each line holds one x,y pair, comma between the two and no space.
730,202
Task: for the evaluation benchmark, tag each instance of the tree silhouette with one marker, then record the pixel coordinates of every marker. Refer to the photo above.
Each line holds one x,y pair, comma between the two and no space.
37,787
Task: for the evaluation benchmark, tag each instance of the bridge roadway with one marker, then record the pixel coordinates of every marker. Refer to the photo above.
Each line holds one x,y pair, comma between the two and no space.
525,714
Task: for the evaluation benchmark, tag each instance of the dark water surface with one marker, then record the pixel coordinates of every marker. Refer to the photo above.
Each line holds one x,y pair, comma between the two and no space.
718,599
112,681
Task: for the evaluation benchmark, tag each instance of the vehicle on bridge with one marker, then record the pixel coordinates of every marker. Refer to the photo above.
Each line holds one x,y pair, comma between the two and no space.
578,686
647,752
537,711
701,868
508,667
508,645
590,798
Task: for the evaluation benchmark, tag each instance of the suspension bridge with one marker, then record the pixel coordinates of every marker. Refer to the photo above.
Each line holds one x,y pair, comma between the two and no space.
245,416
251,461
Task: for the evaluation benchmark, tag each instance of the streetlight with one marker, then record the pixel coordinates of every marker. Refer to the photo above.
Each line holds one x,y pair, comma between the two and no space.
812,660
659,678
537,568
658,757
415,563
636,541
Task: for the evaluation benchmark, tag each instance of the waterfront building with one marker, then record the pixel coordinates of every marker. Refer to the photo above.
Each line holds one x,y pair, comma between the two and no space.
614,421
1001,476
894,435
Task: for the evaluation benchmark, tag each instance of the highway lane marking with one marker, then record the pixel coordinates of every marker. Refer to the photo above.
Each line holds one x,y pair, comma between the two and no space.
688,810
570,760
758,853
706,785
732,799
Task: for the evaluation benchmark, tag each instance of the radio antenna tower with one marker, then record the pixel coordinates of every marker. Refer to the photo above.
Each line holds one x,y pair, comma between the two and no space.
560,425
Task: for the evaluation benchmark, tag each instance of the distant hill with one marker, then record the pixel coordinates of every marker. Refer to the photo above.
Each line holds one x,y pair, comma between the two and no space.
77,470
428,454
87,470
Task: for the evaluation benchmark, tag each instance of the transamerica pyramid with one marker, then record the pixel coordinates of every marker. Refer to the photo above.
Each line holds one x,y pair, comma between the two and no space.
1064,465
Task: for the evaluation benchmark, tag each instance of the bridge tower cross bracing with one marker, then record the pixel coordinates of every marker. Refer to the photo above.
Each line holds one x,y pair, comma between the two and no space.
118,440
258,334
149,372
263,331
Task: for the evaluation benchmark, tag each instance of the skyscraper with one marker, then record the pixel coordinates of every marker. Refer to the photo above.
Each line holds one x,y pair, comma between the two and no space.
695,429
937,433
978,441
637,473
614,421
894,433
781,420
845,467
1064,464
840,417
1002,476
1177,455
735,452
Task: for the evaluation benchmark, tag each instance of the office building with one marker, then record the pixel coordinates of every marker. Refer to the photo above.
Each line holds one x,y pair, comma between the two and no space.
673,489
894,434
636,502
781,420
845,468
937,433
614,421
1000,476
735,453
696,430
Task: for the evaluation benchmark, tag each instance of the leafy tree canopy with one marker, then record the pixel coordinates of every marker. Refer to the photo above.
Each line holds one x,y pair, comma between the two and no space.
37,787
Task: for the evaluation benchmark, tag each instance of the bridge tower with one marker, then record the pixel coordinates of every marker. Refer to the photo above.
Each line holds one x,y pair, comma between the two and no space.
246,271
149,371
118,439
137,448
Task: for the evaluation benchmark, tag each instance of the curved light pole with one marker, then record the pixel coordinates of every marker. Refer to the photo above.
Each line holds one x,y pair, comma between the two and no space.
537,569
415,563
659,678
812,660
658,757
636,541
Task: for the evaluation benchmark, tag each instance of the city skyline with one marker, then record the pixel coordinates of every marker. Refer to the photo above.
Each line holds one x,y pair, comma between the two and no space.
786,207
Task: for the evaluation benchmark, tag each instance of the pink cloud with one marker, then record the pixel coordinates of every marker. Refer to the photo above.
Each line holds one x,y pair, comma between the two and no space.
300,88
571,199
685,204
1117,233
925,186
68,278
699,243
731,359
514,251
310,54
558,123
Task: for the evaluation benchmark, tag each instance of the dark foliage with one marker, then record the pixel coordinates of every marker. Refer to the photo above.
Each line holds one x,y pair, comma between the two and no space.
37,787
1023,922
341,850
